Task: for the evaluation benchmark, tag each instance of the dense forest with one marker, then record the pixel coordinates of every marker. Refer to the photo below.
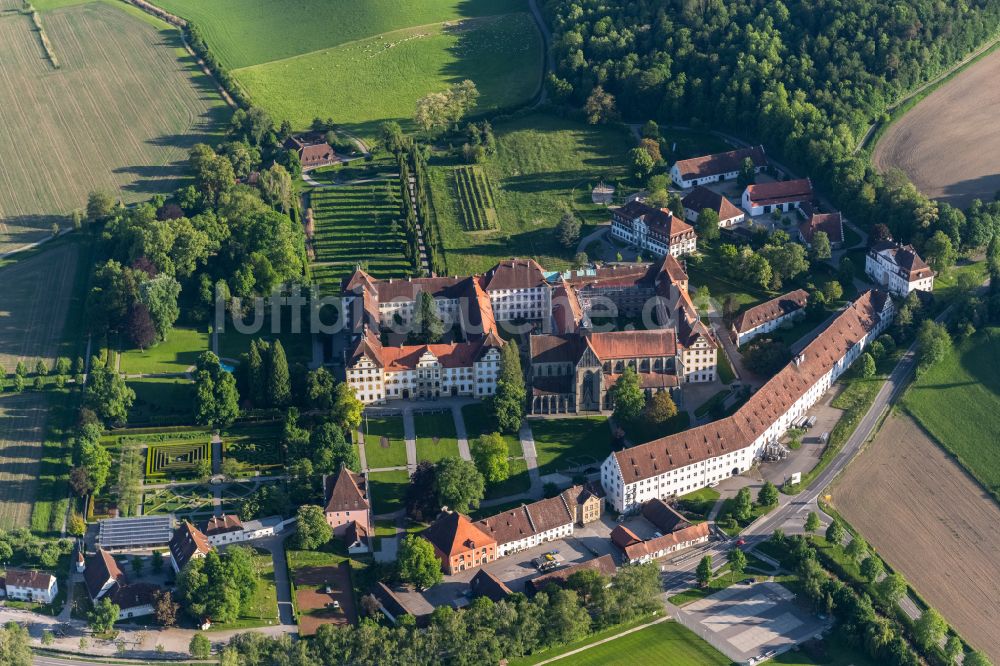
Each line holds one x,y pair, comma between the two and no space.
805,78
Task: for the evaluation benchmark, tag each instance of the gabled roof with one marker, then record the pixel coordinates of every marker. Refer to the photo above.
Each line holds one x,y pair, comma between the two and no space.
33,580
701,198
663,517
719,163
607,346
605,564
548,514
623,537
223,524
659,220
346,492
905,257
514,274
764,407
453,533
485,584
188,542
368,346
786,191
636,551
409,288
829,223
100,568
773,309
524,521
133,595
356,533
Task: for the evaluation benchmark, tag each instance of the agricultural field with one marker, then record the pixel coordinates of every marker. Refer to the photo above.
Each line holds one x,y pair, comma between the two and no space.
38,294
119,114
965,382
358,224
365,62
475,198
934,525
948,143
543,166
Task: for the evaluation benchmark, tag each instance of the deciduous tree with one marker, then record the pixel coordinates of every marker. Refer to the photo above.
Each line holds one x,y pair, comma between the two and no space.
812,522
628,397
508,402
459,484
417,562
311,528
490,454
704,571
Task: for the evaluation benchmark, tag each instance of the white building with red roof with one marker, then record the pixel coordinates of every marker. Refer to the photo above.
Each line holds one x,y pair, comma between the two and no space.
717,167
701,198
777,196
654,230
690,460
898,268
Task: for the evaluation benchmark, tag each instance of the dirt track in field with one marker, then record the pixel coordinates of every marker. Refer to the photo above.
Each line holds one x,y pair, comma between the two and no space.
949,143
34,301
933,523
119,115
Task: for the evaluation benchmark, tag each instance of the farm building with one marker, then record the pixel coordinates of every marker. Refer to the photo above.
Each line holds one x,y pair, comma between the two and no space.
768,316
714,168
701,198
690,460
104,578
314,151
656,230
832,224
779,197
135,533
898,268
188,543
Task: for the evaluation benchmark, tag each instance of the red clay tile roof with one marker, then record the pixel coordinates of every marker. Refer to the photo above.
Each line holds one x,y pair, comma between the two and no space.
453,355
511,525
786,191
566,308
773,309
638,550
35,580
611,345
187,542
764,407
604,564
514,274
623,537
133,595
485,584
346,492
829,223
355,533
701,198
223,524
100,568
719,163
407,289
663,517
659,220
548,514
452,533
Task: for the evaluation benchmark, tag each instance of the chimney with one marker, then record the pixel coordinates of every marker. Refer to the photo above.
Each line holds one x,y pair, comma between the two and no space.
798,359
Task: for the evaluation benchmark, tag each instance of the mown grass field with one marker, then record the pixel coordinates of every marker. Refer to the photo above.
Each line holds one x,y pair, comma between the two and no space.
570,442
362,83
388,489
354,225
665,644
436,438
119,114
177,353
543,166
957,400
250,32
384,444
362,62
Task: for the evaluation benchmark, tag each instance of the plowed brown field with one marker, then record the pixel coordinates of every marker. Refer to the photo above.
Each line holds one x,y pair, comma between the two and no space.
949,143
932,523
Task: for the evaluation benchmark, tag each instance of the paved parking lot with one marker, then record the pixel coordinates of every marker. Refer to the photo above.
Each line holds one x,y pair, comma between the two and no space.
750,621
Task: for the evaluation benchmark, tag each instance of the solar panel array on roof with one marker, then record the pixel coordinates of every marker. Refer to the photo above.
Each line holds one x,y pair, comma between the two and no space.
135,532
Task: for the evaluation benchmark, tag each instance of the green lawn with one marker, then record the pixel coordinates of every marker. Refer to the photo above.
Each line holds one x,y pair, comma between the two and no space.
957,400
569,442
263,608
380,78
161,399
723,579
436,438
384,444
388,490
664,644
517,483
700,501
479,422
542,165
255,31
945,286
641,432
175,354
708,271
726,374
